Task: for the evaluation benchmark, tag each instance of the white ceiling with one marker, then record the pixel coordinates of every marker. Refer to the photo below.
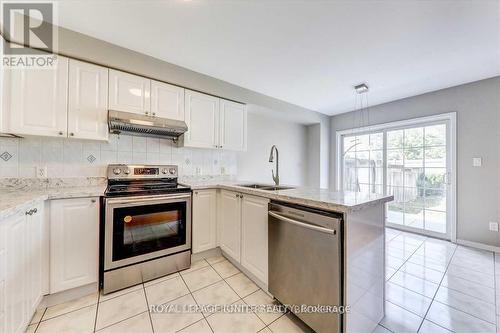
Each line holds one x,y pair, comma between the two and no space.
308,53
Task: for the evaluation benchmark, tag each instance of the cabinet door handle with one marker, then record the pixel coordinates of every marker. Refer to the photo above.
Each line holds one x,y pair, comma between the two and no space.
60,133
92,200
71,134
196,192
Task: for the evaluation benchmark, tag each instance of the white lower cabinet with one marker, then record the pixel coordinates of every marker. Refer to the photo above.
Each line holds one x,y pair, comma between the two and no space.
21,260
242,222
230,223
74,243
254,235
204,220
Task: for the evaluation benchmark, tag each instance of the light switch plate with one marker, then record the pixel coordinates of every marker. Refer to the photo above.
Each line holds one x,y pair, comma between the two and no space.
477,161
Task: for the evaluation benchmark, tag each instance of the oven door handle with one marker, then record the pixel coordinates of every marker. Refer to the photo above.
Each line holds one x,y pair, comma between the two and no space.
146,199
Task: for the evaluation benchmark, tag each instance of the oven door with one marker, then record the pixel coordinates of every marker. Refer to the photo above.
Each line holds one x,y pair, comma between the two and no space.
145,227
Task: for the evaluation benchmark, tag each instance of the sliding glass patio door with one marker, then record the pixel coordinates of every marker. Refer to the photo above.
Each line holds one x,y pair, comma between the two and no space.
412,163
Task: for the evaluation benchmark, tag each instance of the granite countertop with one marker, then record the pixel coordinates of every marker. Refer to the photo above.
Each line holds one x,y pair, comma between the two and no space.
11,200
312,197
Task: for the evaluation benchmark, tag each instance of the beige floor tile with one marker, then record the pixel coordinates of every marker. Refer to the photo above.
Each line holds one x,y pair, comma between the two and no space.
31,328
109,296
289,324
398,319
381,329
175,316
198,327
201,278
79,321
407,299
466,303
457,321
430,327
215,259
120,308
57,310
37,316
161,279
216,294
166,291
225,269
139,323
268,309
241,322
242,285
195,266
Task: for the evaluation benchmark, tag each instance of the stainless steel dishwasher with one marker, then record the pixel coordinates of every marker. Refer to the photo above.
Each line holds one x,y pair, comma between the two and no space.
305,262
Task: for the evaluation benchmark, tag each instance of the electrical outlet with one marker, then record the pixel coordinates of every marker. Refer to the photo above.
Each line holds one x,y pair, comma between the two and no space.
493,226
41,171
198,171
477,162
222,171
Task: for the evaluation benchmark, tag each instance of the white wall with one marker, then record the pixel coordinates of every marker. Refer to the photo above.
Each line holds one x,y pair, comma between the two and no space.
291,140
314,155
478,135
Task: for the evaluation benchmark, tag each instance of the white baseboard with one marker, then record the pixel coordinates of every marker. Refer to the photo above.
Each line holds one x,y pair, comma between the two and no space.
479,245
68,295
206,254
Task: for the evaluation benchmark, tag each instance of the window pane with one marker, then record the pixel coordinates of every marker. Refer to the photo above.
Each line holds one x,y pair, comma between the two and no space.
414,218
414,137
364,175
394,213
363,142
435,135
435,178
349,175
349,144
377,141
414,177
395,177
398,193
377,176
435,200
435,157
414,157
363,159
377,158
394,157
435,221
395,139
414,197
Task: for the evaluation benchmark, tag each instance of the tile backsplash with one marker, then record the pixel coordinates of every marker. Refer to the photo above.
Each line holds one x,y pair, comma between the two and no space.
19,158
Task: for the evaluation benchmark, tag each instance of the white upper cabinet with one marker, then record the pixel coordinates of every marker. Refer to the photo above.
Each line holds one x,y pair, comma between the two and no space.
233,126
230,223
88,101
74,230
214,122
36,100
204,220
167,101
130,93
202,119
254,247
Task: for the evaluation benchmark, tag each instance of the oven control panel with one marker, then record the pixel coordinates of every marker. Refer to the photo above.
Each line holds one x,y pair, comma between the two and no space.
125,171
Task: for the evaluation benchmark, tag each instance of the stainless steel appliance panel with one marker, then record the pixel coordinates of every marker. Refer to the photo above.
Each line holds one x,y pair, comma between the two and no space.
305,262
112,204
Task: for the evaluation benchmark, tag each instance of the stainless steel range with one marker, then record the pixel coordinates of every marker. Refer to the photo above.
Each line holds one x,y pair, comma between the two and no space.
145,225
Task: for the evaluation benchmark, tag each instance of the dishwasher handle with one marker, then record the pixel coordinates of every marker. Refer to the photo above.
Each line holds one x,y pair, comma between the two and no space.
302,224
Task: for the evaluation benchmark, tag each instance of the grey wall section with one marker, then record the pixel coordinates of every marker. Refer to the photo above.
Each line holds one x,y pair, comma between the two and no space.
291,140
478,135
314,155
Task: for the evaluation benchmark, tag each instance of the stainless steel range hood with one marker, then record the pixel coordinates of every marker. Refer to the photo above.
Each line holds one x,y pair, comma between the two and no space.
142,125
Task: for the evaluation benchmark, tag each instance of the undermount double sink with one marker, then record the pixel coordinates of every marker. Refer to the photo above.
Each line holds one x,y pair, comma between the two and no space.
266,187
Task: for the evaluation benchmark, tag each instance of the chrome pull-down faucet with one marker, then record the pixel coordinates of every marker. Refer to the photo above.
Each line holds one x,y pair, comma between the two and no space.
271,158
